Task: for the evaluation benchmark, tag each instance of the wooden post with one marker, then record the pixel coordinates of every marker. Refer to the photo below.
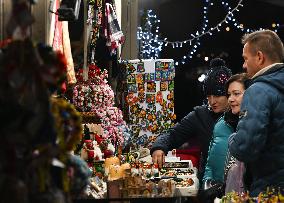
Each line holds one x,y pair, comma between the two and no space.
129,23
41,25
5,12
1,20
86,34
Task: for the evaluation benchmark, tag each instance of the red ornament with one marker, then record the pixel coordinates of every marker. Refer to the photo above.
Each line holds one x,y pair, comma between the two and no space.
98,138
89,144
63,87
107,153
91,154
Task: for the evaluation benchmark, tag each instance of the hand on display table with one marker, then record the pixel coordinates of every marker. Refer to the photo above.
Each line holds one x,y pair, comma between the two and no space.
158,157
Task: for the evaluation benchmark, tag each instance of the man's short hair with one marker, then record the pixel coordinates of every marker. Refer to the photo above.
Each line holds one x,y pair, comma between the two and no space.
266,41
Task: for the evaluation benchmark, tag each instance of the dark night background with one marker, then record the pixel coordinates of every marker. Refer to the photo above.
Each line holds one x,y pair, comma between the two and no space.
180,18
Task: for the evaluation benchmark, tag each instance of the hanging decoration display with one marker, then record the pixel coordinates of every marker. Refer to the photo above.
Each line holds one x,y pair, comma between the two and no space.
92,95
44,131
96,96
102,20
113,32
149,36
95,15
150,99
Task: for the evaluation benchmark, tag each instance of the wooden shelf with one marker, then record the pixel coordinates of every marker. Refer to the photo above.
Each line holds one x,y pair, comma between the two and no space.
90,117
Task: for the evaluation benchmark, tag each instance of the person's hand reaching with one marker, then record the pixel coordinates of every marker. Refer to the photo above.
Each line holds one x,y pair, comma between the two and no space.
158,157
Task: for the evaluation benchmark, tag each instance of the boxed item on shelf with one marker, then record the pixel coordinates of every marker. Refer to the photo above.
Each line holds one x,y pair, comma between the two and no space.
187,186
184,174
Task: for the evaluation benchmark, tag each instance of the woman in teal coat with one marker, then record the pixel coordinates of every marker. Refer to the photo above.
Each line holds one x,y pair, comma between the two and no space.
214,169
225,126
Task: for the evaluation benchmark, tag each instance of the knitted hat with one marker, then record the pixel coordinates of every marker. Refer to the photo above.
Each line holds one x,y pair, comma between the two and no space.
214,83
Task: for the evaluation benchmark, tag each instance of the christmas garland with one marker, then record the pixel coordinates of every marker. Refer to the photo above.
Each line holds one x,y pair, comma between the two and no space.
68,123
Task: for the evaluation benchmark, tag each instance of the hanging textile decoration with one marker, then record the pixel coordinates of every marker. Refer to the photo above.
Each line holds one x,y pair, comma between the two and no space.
71,79
61,42
112,31
57,38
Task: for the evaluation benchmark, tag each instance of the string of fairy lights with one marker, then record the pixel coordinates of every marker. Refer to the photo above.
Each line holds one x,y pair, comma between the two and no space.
195,43
275,26
151,43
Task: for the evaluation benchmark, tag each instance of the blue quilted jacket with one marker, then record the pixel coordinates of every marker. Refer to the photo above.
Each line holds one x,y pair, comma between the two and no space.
259,139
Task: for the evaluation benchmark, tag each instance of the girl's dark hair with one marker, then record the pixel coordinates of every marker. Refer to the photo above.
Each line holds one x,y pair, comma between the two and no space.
241,78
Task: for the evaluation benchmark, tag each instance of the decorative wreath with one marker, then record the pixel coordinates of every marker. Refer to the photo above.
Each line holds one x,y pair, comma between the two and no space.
68,123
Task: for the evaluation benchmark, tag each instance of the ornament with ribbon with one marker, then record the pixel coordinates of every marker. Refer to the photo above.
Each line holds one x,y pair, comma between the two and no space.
112,31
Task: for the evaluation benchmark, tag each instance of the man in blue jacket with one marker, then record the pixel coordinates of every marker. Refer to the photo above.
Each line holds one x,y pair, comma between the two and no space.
259,139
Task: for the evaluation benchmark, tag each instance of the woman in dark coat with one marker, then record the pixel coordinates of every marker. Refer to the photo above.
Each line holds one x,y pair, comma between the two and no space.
199,123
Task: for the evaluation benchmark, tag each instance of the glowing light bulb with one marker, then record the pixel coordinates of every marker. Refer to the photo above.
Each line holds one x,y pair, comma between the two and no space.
201,78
